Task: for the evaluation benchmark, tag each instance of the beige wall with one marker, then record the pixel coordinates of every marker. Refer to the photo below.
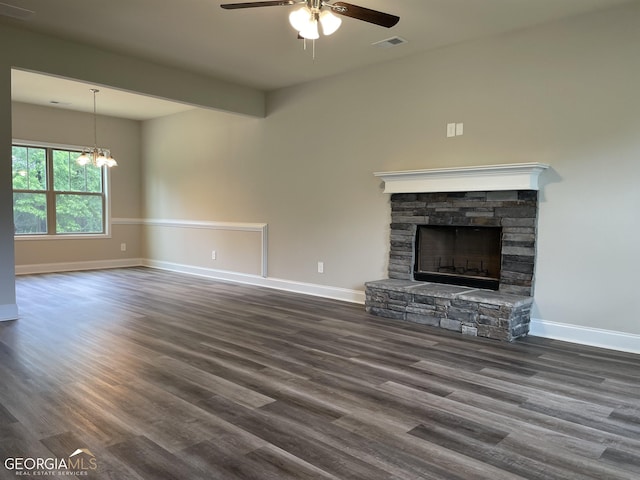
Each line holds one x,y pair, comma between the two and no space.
202,166
54,125
217,167
564,94
177,246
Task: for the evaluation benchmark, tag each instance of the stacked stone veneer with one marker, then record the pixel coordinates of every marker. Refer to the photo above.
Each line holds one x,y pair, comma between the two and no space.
504,314
477,312
514,210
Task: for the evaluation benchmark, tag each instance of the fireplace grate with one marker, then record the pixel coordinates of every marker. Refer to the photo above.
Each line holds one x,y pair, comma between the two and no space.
458,255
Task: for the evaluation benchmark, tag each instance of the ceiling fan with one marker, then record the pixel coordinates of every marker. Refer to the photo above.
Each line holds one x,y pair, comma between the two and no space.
313,12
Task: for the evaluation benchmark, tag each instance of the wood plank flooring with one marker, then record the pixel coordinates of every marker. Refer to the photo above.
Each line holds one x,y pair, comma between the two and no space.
167,376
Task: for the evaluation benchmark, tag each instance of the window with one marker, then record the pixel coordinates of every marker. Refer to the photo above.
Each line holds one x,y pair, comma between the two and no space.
53,195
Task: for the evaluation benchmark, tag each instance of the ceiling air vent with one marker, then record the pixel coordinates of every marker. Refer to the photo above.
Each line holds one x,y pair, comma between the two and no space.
390,42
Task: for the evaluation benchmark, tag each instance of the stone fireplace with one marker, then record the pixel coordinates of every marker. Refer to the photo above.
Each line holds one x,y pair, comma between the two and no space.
462,249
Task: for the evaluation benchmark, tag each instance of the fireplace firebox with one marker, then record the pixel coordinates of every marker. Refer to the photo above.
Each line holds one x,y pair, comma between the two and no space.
458,255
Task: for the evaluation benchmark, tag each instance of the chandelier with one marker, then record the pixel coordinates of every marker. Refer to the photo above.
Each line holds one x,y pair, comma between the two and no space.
98,157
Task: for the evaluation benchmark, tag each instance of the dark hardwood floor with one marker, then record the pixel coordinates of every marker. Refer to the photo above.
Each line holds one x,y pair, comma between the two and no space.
167,376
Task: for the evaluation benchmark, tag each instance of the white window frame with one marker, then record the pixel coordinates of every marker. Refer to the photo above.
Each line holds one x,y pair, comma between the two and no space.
107,198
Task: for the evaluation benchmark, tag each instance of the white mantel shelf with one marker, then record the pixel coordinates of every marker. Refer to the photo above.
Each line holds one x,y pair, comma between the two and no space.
511,176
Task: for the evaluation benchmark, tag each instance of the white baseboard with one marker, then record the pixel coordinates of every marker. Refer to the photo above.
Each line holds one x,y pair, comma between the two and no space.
595,337
8,312
75,266
336,293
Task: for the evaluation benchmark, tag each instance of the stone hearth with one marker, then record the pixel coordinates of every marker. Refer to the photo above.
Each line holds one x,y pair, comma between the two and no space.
476,312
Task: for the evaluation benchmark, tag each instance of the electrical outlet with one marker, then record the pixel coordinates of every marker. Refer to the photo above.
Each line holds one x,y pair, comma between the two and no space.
123,247
214,255
320,267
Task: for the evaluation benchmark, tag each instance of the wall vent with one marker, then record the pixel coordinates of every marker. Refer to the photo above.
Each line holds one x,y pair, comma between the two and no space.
390,42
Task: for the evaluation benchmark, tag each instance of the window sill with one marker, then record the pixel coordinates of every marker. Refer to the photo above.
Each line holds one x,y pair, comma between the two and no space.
70,236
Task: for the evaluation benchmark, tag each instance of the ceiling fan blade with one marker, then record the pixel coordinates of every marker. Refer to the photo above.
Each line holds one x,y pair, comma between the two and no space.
233,6
364,14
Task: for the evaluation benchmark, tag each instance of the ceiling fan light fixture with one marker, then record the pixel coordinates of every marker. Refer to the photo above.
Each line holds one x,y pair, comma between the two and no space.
300,18
330,22
308,13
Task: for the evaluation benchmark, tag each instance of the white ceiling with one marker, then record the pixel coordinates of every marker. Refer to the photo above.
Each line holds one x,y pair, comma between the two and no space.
256,47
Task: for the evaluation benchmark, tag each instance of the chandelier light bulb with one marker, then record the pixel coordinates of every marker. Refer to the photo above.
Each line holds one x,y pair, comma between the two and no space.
83,159
330,22
101,160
